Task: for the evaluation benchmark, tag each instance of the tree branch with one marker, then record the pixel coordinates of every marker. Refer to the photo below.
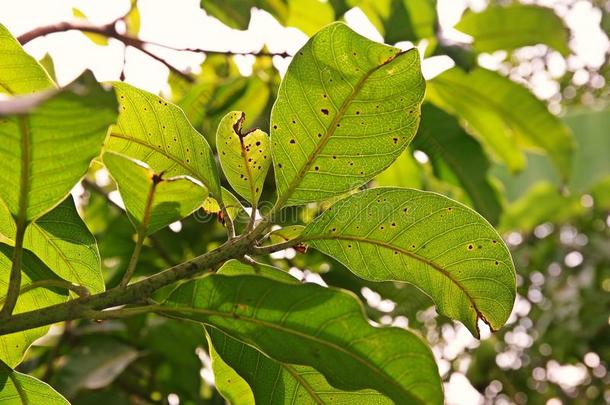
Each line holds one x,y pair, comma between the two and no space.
110,31
136,292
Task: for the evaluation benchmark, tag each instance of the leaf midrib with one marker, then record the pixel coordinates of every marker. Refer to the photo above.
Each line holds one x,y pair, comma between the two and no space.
331,129
190,169
305,336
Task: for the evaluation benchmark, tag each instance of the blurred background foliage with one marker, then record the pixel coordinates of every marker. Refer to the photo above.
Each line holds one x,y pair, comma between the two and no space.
519,129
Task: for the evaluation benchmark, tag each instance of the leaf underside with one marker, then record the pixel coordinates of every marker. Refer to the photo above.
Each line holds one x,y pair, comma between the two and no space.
439,245
314,326
345,110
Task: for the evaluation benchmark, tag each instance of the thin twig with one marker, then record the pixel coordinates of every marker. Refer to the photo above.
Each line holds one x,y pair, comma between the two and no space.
110,31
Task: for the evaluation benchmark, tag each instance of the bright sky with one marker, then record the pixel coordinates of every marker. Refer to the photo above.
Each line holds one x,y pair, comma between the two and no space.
185,25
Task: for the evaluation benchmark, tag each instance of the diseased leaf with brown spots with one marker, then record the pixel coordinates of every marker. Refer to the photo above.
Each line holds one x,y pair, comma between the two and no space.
439,245
345,111
245,157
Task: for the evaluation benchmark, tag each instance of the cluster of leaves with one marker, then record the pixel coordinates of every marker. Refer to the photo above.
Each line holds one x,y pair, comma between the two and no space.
347,115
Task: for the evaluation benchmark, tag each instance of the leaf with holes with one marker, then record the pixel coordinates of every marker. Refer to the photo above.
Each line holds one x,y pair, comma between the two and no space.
313,326
19,71
345,110
17,388
13,346
48,148
444,248
157,132
273,381
63,242
153,201
515,26
245,157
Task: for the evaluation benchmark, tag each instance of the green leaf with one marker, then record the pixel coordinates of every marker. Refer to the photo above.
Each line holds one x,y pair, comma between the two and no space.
404,172
13,346
47,63
63,242
503,115
231,386
423,238
93,364
132,20
21,389
47,150
285,234
346,109
231,203
19,72
452,150
152,201
236,13
515,26
400,20
275,382
97,39
314,326
245,157
309,15
157,132
272,381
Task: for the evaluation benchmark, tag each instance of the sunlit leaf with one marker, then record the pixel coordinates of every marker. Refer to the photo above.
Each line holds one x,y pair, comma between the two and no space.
13,346
236,13
452,150
273,381
313,326
21,389
400,20
156,132
346,109
171,198
19,72
48,148
309,15
230,384
245,157
62,241
97,39
503,115
423,238
404,172
515,26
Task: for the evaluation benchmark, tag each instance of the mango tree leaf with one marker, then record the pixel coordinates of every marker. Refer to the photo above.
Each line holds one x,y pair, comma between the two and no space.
47,150
423,238
515,26
152,201
157,132
63,242
346,109
273,381
503,115
314,326
245,157
14,345
452,150
19,72
21,389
